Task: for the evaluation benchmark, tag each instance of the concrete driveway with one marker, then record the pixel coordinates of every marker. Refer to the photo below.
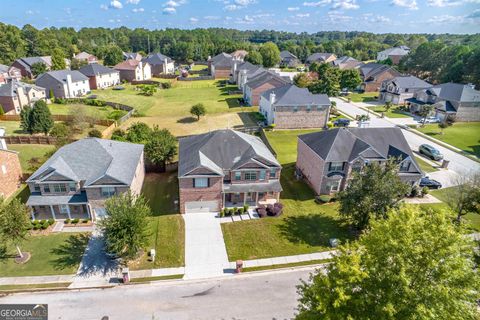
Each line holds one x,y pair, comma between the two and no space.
205,252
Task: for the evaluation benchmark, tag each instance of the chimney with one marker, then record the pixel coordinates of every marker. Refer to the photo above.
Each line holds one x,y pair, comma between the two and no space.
272,98
69,85
244,78
3,144
165,64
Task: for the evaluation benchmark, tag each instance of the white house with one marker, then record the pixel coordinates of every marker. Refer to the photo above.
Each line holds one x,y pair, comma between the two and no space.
64,83
100,76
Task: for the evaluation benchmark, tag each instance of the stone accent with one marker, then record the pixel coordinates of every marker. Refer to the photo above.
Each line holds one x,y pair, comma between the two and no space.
10,173
468,111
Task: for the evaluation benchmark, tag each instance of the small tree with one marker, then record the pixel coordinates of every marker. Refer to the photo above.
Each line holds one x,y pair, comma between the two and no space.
350,79
95,133
37,119
373,191
147,89
77,64
58,59
14,223
198,110
126,226
2,111
38,68
51,95
443,125
62,133
119,135
161,147
388,106
425,112
139,132
465,197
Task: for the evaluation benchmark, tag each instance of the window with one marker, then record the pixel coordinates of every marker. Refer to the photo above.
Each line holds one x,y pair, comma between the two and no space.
404,166
238,175
263,174
72,187
46,188
58,188
108,191
336,166
333,186
295,109
200,183
309,108
273,173
319,108
36,188
64,209
251,175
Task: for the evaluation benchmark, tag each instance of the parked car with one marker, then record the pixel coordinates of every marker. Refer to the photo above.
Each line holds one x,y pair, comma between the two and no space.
342,122
430,183
429,151
429,120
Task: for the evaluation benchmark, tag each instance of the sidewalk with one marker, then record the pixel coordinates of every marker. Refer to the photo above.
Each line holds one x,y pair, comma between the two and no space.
36,279
285,259
157,272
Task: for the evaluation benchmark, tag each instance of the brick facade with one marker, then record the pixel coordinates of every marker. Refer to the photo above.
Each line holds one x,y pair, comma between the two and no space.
311,166
286,118
255,93
10,173
188,193
222,73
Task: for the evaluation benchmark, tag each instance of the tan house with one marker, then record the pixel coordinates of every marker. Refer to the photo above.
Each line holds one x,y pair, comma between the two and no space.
15,95
79,177
320,57
220,66
9,73
259,84
10,169
226,168
160,64
399,89
134,70
374,74
326,159
87,57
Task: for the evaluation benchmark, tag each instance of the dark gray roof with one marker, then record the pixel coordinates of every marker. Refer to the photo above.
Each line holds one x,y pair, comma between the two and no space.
222,150
91,159
10,89
3,68
156,58
343,59
61,76
410,82
93,69
370,70
29,61
222,60
456,92
396,51
347,144
37,199
291,95
319,56
264,77
287,55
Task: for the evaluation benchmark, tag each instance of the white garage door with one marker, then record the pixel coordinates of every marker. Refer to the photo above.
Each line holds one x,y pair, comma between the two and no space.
201,206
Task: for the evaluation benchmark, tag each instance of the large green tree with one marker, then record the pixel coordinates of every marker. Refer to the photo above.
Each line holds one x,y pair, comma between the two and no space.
328,80
38,68
58,59
37,119
350,79
161,147
14,223
414,265
372,192
113,55
465,196
125,226
254,57
270,54
139,132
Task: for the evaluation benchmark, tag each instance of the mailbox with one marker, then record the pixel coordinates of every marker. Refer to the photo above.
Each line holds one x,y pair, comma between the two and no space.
239,266
126,275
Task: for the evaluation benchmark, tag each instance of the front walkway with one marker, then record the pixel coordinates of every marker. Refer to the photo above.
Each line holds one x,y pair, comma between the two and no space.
205,252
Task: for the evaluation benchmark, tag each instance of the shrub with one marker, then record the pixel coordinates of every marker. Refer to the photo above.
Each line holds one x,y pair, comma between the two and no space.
240,211
323,198
67,221
94,133
245,207
85,220
415,192
51,221
222,213
235,210
262,211
36,226
44,225
166,85
329,125
277,209
425,191
42,221
115,115
75,221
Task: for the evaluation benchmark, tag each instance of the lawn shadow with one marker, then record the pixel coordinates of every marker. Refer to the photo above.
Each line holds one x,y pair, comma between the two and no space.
292,188
19,131
313,230
187,120
248,118
233,103
70,253
475,150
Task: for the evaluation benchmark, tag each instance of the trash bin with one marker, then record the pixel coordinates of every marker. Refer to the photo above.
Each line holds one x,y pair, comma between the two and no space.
445,163
239,266
125,275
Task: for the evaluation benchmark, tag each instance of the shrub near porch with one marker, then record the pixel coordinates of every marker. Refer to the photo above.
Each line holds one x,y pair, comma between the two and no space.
304,226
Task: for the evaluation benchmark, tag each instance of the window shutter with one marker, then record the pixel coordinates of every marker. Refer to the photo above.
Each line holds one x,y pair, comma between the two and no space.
208,182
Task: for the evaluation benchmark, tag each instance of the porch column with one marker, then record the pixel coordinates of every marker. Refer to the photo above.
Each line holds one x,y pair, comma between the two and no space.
223,196
68,212
256,198
88,211
245,198
53,212
32,212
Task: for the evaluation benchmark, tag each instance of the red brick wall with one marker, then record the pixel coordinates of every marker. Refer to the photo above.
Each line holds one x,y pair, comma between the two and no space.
93,82
255,101
373,86
189,193
222,73
311,166
10,173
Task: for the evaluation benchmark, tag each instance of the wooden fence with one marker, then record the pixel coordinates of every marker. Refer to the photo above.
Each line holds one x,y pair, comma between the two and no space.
30,140
196,78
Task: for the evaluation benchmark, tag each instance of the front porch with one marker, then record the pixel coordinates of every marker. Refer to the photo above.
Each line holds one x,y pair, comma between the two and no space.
252,199
59,207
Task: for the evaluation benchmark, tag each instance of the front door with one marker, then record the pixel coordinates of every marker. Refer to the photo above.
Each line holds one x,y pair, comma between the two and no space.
250,196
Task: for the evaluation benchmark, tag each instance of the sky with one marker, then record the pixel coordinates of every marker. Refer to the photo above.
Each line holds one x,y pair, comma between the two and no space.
379,16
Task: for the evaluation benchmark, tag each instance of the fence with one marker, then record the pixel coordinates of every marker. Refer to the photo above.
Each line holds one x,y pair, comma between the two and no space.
196,78
30,140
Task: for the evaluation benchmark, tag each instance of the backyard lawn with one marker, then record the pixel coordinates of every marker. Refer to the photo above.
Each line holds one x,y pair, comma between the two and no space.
463,135
304,226
52,254
363,97
92,111
30,151
13,129
392,113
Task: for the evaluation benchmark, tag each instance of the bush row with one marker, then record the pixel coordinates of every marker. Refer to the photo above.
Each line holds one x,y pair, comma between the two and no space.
76,221
228,212
41,224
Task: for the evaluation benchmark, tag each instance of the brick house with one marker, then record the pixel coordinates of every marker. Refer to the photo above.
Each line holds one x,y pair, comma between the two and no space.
346,62
226,168
243,71
15,95
99,76
25,64
291,107
264,81
134,70
79,177
400,88
320,57
326,159
10,169
64,83
220,66
457,100
87,57
160,64
395,54
374,74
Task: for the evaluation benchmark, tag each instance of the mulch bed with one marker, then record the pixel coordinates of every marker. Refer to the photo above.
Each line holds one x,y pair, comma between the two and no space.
24,259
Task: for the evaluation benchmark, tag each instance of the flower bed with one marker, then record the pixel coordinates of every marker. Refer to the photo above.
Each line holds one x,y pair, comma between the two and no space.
77,223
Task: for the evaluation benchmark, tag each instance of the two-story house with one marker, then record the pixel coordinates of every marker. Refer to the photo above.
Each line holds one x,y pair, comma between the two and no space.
320,57
243,71
134,70
326,159
373,75
15,95
25,64
64,83
160,64
457,100
132,55
289,60
10,169
79,177
261,83
87,57
8,74
346,62
100,76
220,66
226,168
291,107
395,54
400,88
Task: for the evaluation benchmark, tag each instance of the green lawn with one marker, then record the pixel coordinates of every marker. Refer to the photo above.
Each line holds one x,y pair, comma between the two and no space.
13,129
92,111
424,165
392,113
59,253
30,151
304,226
363,97
463,135
161,190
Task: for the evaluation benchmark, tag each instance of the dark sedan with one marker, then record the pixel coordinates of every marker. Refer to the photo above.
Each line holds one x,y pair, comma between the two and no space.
430,183
342,122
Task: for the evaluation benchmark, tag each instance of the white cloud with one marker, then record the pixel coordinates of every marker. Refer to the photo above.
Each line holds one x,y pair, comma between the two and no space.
135,10
346,5
232,7
29,12
380,19
317,4
211,18
103,7
169,10
449,3
244,3
409,4
293,8
237,4
115,4
193,20
445,19
173,3
133,1
302,15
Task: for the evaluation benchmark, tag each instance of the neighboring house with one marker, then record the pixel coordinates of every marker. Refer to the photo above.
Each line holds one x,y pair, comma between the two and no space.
15,95
64,83
25,64
460,101
226,168
289,60
261,83
291,107
100,76
220,66
79,177
326,159
395,54
346,62
87,57
160,64
374,74
9,73
134,70
132,55
10,169
244,72
398,89
320,58
239,55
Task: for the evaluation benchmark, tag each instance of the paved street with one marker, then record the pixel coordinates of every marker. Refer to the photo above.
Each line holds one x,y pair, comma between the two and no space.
269,295
458,163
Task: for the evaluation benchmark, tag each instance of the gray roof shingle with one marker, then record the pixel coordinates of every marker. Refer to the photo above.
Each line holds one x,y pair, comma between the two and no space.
93,69
156,58
265,77
291,95
410,82
61,76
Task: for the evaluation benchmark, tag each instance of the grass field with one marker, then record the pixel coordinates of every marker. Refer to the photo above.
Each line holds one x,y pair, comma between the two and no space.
53,254
13,129
363,97
92,111
304,226
463,135
392,113
424,165
29,151
161,190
